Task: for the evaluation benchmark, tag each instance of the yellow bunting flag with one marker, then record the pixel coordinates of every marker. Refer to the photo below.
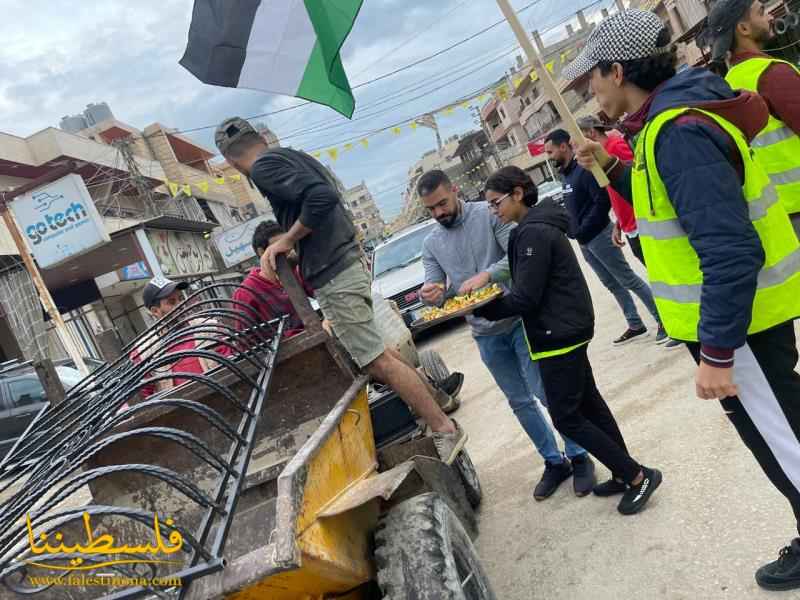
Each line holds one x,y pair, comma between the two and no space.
502,92
348,147
220,181
235,177
563,57
465,104
173,188
534,76
551,65
517,82
364,142
317,154
187,189
397,130
203,185
412,125
482,97
333,153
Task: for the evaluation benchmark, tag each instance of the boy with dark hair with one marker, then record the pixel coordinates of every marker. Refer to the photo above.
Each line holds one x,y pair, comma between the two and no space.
308,205
263,292
743,28
723,259
589,206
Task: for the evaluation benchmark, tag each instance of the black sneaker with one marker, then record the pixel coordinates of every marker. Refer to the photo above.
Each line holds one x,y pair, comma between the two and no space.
583,477
554,475
672,344
631,335
612,487
452,385
661,336
636,496
784,573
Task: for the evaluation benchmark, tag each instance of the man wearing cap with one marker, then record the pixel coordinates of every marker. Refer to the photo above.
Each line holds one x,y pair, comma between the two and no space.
723,259
742,28
161,296
309,208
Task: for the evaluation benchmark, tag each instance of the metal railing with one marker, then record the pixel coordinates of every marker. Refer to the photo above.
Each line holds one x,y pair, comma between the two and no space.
66,448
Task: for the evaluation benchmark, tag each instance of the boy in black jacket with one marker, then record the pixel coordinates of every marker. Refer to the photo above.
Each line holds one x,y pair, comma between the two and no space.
551,295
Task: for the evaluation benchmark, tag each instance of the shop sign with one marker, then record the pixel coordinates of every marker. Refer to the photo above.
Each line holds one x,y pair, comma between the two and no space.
235,245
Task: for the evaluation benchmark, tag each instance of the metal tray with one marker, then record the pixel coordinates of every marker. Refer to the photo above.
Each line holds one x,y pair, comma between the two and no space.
422,323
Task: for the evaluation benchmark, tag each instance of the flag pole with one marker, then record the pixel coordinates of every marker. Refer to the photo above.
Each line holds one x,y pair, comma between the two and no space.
570,124
44,294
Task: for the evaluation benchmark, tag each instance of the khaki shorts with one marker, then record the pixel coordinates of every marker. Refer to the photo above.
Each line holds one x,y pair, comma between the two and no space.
346,301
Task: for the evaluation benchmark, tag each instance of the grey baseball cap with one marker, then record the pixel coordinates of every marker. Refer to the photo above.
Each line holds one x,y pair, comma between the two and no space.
159,288
592,122
231,131
721,25
628,35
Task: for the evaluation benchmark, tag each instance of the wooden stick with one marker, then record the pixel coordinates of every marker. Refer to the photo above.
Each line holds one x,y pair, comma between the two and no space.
570,124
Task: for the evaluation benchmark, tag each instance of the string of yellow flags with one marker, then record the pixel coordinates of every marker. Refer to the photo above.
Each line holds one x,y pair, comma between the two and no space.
501,92
175,187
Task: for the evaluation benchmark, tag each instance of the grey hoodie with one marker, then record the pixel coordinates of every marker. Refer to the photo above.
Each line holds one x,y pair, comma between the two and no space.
477,241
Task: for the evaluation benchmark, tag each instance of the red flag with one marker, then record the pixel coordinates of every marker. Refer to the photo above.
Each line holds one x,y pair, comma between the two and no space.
536,147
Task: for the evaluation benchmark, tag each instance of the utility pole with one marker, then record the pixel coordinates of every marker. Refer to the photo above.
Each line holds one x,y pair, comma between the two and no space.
69,343
570,124
476,114
124,147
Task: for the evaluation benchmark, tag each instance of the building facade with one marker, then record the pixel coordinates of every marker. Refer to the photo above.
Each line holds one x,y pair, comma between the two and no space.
366,216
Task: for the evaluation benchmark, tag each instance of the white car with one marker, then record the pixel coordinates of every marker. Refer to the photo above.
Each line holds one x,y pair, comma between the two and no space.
553,190
397,271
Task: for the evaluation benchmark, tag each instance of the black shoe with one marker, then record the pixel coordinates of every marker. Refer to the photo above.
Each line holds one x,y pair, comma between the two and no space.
554,475
784,573
452,385
637,496
631,335
612,487
661,336
583,477
672,344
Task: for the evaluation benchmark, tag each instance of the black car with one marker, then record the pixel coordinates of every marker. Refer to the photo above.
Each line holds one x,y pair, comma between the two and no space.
22,397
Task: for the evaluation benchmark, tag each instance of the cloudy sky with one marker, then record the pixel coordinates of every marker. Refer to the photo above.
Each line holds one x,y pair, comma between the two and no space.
59,56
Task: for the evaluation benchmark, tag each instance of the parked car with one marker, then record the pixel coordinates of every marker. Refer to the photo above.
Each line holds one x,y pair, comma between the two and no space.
22,397
397,271
552,190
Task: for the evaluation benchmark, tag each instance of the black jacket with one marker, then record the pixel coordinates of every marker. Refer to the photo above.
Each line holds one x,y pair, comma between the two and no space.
587,203
549,290
298,187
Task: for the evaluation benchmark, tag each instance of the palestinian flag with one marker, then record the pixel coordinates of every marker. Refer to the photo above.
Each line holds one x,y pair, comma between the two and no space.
286,47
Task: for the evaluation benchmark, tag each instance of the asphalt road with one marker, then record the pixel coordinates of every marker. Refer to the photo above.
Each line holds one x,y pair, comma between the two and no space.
712,523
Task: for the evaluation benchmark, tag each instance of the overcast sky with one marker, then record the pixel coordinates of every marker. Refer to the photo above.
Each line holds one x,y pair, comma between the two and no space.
59,56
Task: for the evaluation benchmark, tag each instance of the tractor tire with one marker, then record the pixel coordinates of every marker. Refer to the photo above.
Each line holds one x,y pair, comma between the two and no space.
434,366
469,477
423,553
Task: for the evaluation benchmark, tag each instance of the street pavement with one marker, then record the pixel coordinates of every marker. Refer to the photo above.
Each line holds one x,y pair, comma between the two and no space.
712,523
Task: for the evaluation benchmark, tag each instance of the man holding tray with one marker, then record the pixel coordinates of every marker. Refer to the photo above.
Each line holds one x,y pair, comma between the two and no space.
468,252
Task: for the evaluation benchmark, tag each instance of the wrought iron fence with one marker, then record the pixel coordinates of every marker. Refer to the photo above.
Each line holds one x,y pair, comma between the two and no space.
68,448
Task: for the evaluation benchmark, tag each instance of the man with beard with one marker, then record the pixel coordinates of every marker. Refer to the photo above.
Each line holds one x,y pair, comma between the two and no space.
468,252
744,27
588,206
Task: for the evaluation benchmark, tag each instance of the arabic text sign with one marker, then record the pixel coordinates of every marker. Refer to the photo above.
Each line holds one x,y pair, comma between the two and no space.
59,221
236,244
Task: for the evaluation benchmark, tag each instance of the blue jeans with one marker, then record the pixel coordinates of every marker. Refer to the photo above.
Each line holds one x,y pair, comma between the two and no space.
616,274
509,361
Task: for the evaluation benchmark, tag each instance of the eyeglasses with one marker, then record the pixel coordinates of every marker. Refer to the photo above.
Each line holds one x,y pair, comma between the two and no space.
495,204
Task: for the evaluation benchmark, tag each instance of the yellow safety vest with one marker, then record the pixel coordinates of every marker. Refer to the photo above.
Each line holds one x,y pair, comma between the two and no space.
777,147
673,265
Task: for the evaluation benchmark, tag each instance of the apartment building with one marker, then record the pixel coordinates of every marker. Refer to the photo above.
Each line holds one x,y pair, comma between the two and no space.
366,216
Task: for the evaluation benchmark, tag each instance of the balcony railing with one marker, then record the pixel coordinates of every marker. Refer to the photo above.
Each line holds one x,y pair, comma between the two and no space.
180,208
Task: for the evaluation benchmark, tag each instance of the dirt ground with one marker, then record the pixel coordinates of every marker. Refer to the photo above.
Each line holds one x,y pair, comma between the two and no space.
712,523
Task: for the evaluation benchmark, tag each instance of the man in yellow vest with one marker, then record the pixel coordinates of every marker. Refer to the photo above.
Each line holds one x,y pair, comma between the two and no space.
742,28
722,257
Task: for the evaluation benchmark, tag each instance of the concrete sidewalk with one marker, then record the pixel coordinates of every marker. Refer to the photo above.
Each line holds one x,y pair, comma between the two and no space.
712,523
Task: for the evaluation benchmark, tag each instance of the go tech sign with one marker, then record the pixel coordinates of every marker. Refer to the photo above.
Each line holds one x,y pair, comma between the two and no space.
60,221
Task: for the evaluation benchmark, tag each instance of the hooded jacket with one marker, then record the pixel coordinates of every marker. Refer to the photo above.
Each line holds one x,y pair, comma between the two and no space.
587,203
549,290
702,170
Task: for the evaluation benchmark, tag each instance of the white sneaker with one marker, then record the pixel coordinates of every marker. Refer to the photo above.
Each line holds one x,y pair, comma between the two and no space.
448,445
